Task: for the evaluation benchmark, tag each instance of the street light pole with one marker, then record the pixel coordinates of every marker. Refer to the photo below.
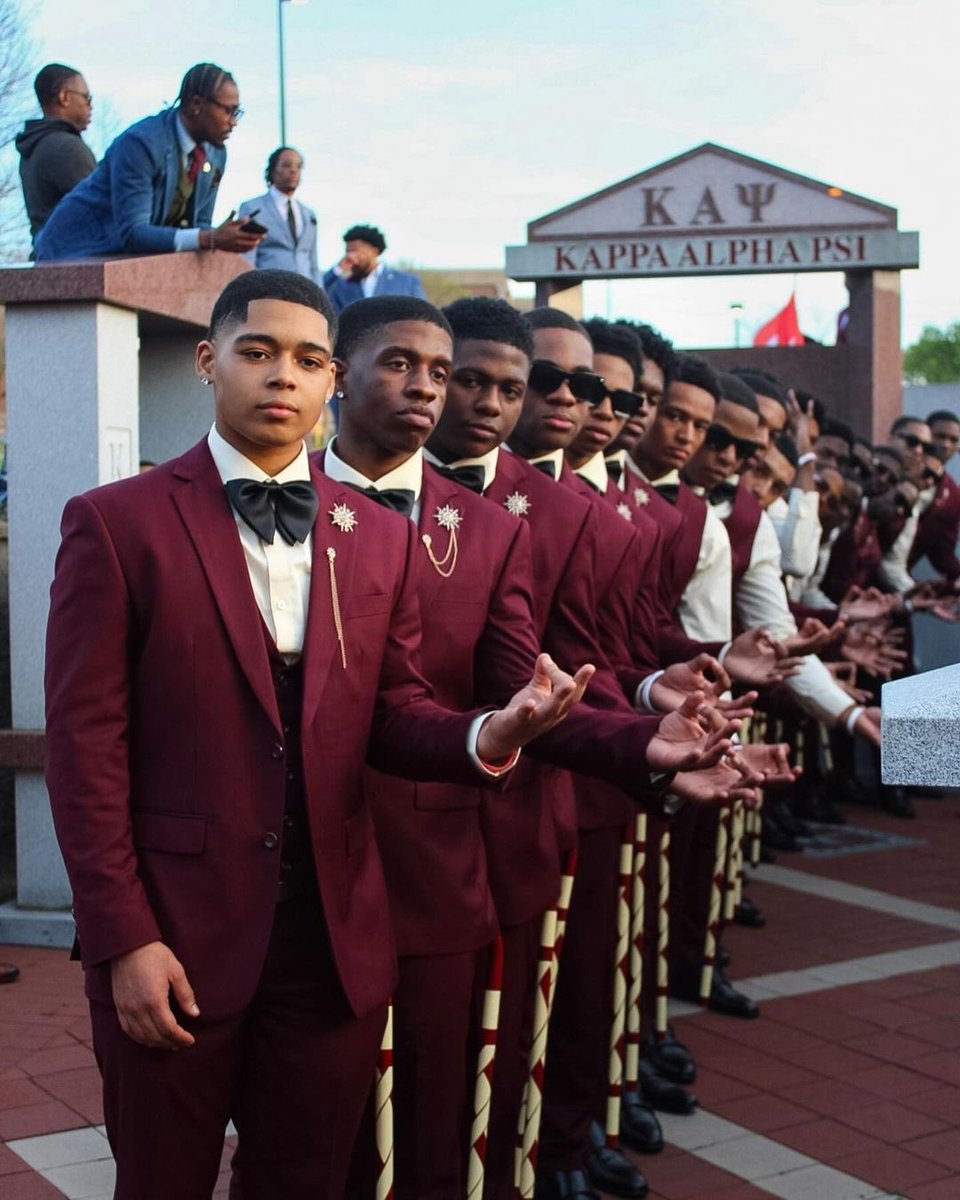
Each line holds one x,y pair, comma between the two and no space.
737,309
283,82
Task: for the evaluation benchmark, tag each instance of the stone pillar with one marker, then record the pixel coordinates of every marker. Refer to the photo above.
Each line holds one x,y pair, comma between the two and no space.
873,335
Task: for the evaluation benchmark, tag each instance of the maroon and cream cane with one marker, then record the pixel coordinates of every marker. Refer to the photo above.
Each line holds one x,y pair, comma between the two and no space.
383,1112
716,897
663,933
551,943
485,1066
621,973
734,858
631,1072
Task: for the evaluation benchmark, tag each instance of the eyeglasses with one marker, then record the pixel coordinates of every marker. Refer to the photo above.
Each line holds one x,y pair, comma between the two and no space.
911,440
233,111
626,404
720,438
88,96
547,377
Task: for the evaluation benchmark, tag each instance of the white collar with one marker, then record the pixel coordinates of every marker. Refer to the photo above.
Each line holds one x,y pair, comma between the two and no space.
279,197
409,475
671,477
552,456
186,141
231,464
594,471
488,461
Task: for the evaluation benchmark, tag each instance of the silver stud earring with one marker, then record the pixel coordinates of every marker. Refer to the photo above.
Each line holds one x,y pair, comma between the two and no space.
339,395
205,381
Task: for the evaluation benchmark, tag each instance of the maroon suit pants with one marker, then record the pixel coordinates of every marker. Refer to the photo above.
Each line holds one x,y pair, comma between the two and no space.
292,1070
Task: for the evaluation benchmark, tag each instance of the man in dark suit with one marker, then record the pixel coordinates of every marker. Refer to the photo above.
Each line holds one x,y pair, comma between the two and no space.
212,693
290,243
154,190
360,274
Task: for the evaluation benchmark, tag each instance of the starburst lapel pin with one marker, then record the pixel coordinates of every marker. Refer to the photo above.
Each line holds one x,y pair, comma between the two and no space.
517,504
624,511
448,518
641,497
343,517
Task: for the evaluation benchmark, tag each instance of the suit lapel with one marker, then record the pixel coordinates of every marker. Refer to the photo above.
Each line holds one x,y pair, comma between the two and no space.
321,644
437,494
206,513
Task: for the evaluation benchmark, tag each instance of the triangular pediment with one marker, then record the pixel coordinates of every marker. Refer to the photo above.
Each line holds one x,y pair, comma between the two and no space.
712,190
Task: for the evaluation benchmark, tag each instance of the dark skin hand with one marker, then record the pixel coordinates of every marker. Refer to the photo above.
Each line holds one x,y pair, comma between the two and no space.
755,659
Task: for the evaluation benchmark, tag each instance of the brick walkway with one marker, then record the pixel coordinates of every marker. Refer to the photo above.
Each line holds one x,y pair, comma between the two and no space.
847,1088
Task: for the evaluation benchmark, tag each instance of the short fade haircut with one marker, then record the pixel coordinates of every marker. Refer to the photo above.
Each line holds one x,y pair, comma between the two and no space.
51,80
688,368
554,318
365,318
618,341
943,414
735,390
763,384
654,346
831,427
366,233
203,80
233,301
487,320
787,447
903,421
275,158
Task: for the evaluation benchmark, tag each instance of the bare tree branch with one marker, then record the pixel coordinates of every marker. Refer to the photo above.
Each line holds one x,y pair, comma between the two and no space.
17,57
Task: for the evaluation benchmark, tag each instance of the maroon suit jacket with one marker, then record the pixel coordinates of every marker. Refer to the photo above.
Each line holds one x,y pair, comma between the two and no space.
854,559
938,531
478,649
166,756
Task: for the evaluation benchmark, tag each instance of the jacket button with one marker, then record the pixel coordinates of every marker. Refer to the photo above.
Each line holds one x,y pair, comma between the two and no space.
277,751
270,841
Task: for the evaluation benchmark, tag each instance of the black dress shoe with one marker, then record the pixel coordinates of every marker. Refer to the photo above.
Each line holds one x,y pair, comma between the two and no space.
776,837
563,1185
815,806
895,801
661,1094
723,957
671,1058
9,973
724,998
639,1128
746,913
610,1170
788,821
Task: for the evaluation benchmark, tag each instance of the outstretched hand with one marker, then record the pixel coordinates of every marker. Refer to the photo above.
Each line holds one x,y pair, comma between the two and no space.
719,784
770,761
755,659
692,738
534,710
701,674
811,636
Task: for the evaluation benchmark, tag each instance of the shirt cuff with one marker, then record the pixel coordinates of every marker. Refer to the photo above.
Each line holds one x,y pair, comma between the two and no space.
186,239
854,716
641,700
491,770
723,652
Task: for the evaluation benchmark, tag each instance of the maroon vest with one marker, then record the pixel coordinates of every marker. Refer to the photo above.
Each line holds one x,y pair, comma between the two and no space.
742,526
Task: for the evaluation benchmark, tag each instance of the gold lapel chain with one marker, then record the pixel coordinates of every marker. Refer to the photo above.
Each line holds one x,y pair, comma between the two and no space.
335,598
445,566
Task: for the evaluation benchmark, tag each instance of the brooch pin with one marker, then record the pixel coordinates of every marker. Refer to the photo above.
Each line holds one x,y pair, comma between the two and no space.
517,505
641,496
335,601
448,518
624,511
344,518
206,168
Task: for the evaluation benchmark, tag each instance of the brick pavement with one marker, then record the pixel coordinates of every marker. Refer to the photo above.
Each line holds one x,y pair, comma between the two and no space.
834,1094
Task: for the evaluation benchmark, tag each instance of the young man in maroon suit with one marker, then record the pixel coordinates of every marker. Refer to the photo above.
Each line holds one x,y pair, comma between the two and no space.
212,692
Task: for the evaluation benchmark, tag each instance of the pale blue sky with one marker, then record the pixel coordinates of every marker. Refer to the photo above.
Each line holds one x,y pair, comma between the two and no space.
452,125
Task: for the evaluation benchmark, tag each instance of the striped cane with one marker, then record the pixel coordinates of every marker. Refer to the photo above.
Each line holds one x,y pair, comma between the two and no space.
637,915
663,933
716,896
383,1105
733,858
485,1066
620,983
551,943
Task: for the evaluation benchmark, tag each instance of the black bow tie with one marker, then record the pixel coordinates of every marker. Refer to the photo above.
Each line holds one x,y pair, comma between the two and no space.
589,482
721,493
548,467
669,491
615,469
289,509
472,477
401,500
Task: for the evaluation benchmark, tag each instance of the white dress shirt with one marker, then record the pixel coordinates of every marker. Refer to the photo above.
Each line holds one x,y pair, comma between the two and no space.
369,282
279,574
595,472
409,475
797,525
280,202
487,461
808,591
186,239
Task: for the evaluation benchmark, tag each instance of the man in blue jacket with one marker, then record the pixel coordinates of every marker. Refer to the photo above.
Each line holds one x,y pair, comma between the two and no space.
290,243
154,190
360,273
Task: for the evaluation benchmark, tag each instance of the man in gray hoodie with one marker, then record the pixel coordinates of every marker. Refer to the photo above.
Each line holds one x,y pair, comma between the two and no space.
53,156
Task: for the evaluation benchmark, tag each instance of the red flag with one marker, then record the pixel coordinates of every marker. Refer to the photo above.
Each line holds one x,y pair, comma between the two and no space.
781,330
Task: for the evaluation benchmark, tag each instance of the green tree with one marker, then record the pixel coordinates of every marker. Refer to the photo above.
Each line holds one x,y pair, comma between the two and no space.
935,357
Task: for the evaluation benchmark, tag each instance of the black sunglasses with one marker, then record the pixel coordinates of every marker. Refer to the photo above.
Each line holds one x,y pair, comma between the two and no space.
625,404
720,438
913,442
547,377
